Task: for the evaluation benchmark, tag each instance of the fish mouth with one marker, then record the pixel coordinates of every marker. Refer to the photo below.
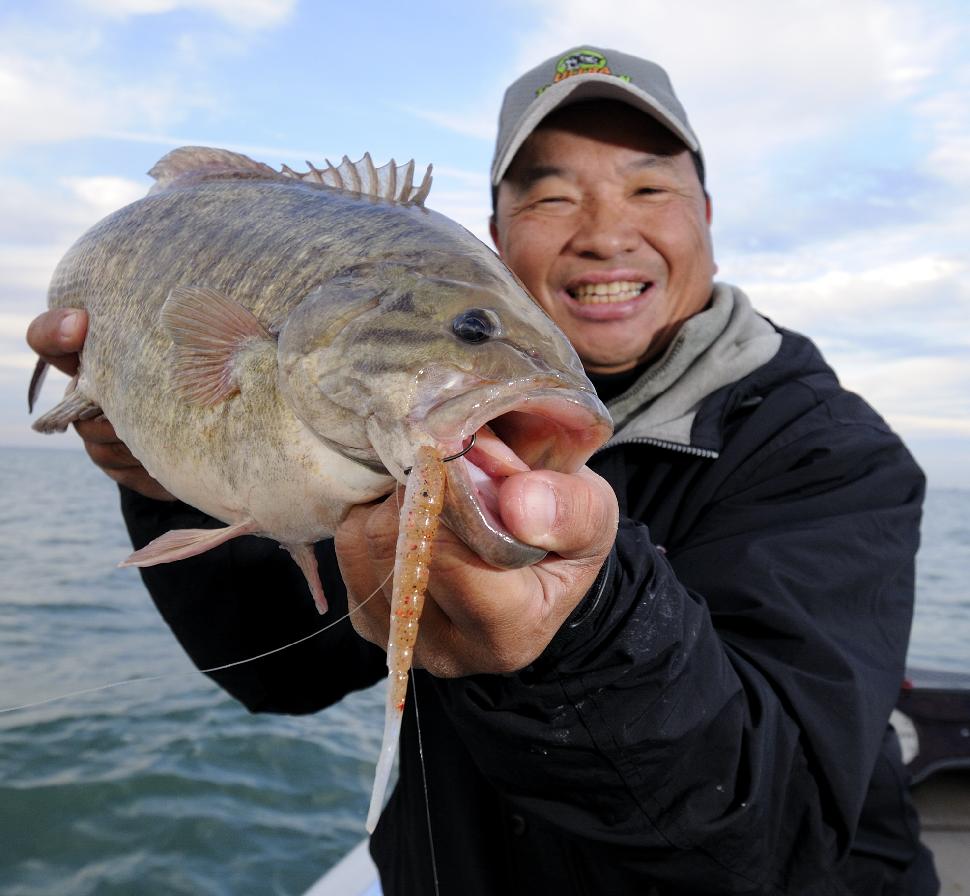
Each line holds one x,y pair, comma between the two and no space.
518,426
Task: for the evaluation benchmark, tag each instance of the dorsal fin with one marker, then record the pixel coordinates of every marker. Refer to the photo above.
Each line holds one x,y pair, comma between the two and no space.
191,164
391,181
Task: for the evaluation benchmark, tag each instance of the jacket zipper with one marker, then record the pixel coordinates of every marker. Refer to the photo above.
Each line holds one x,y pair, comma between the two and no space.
662,443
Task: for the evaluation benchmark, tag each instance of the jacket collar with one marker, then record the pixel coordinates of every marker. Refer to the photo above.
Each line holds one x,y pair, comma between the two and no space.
715,348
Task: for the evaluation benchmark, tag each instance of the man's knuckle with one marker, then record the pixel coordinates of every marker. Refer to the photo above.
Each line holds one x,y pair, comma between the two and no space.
442,666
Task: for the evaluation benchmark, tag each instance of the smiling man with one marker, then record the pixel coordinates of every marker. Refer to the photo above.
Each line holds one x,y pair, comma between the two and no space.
691,693
602,215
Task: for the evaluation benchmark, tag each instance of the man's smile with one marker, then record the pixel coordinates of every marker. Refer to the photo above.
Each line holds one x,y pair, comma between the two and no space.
614,291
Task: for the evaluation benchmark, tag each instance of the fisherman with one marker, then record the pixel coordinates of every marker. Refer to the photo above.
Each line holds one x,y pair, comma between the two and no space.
691,693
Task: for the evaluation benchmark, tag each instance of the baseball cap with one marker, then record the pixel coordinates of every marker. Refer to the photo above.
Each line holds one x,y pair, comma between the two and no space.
586,73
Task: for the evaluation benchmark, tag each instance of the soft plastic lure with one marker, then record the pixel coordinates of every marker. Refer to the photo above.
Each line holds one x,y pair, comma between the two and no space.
423,499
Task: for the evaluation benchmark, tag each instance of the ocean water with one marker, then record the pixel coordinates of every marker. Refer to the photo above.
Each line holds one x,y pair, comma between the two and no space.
168,786
158,788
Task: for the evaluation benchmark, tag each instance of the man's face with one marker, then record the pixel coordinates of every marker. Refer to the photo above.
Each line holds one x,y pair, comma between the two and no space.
604,219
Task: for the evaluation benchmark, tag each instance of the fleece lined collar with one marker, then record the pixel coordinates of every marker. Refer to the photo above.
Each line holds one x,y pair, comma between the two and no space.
717,347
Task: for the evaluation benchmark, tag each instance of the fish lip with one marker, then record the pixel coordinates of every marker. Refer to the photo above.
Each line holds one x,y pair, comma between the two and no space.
542,395
466,516
582,423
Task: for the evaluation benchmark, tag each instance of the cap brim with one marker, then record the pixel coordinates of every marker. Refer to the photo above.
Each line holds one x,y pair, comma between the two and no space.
583,87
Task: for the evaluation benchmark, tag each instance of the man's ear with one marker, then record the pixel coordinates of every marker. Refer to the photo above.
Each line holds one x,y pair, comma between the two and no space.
709,214
493,232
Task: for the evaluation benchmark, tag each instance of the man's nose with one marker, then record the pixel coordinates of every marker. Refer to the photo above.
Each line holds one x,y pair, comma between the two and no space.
604,230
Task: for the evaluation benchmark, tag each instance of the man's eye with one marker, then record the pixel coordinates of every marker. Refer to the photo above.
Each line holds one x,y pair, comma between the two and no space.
648,191
553,204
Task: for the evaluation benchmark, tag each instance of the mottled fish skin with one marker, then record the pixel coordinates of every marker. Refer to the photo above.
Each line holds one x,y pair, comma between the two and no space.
264,245
362,294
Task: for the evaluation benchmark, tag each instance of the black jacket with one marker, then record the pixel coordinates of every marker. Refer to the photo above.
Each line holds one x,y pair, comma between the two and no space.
713,719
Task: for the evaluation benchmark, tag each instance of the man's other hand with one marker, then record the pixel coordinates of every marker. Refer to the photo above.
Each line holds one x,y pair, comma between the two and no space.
57,336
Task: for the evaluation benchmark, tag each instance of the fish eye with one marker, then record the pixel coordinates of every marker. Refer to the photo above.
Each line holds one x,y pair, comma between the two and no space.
474,325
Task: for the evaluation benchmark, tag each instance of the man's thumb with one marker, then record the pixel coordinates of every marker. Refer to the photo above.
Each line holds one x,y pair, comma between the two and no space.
574,516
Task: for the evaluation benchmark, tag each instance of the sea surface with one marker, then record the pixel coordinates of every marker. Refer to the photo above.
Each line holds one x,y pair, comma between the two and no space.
168,786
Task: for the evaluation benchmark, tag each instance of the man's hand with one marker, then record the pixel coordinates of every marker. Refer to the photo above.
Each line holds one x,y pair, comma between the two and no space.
478,618
57,336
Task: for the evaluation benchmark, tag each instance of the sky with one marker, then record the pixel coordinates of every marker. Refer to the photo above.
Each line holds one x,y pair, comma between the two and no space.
836,135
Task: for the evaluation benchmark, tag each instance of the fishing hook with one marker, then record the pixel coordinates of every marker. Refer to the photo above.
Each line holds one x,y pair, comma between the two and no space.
462,453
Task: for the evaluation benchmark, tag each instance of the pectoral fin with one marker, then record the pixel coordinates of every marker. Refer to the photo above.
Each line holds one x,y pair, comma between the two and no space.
209,330
181,543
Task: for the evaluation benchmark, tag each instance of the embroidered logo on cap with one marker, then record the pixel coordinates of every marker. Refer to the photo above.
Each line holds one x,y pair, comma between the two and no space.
582,62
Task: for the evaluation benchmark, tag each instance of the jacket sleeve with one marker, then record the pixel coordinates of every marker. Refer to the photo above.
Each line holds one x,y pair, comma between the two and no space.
246,598
714,713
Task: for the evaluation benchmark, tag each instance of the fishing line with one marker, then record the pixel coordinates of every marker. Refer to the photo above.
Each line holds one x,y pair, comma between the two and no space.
424,780
170,675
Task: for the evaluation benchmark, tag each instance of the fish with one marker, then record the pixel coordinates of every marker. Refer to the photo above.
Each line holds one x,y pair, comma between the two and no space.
276,347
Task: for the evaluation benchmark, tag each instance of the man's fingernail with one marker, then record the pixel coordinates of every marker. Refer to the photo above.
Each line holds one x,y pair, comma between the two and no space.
539,508
68,328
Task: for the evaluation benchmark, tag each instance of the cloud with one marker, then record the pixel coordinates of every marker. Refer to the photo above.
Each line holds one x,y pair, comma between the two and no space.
480,126
249,14
793,71
27,269
468,207
37,225
16,359
45,100
49,98
39,220
103,194
13,326
924,424
272,155
946,118
916,396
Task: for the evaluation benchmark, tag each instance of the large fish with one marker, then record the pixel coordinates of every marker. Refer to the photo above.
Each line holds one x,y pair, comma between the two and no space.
273,347
276,347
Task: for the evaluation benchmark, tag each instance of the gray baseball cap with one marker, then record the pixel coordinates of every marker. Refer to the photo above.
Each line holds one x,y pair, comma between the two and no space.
585,73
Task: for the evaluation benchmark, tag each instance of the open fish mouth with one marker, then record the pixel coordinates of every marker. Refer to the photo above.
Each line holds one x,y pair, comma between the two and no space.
519,426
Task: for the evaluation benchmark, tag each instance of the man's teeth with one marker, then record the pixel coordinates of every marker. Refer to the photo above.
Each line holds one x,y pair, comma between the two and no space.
597,293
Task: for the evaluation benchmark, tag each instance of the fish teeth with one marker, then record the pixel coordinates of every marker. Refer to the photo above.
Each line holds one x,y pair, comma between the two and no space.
614,291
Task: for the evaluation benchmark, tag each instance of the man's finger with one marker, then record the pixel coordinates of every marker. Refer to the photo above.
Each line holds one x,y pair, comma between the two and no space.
97,430
573,516
57,336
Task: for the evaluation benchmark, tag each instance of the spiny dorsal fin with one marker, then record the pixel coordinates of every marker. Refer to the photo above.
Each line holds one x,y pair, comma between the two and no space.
191,164
392,181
